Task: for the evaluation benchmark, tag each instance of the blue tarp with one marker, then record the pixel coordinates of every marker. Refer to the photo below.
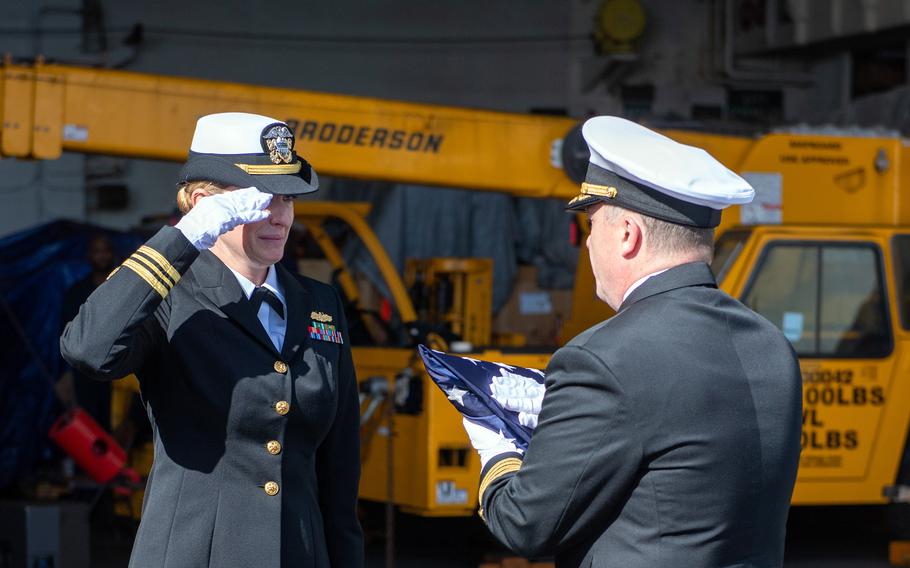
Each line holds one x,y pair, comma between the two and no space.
37,266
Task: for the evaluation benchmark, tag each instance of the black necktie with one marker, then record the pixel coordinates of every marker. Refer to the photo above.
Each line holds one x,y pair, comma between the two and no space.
262,294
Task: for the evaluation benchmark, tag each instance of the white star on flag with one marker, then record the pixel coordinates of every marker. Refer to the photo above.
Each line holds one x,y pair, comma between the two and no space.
456,394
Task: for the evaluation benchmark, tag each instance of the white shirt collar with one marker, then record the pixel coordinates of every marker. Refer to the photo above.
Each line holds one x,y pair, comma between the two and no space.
271,283
274,325
641,281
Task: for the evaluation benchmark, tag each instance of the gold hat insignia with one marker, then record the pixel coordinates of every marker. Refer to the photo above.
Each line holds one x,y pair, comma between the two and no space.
280,144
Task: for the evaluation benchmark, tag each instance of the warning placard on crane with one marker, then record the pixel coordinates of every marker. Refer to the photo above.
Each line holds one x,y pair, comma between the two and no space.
767,207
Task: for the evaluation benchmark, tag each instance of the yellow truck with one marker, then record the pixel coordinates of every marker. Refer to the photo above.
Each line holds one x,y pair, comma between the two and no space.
823,252
826,261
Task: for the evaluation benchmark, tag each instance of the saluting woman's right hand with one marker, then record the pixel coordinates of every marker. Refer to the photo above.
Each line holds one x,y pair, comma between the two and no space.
214,215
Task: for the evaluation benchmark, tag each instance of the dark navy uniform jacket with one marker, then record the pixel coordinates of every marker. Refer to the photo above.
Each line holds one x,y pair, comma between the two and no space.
257,456
669,436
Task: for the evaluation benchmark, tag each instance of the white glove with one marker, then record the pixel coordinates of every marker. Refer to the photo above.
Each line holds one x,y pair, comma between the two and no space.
519,394
488,443
214,215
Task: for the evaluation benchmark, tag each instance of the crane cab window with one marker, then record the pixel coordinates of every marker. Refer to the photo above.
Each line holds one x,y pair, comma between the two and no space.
828,298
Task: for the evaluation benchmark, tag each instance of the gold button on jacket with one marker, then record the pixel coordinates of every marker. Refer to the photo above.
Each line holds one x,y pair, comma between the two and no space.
281,367
201,351
273,447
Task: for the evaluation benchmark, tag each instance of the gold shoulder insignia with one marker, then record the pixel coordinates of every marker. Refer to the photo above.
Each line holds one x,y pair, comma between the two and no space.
321,317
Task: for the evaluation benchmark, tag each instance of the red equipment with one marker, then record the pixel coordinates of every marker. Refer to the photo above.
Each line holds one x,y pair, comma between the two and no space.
93,449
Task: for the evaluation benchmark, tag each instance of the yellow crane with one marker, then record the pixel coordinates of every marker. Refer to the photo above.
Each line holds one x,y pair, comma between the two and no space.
824,253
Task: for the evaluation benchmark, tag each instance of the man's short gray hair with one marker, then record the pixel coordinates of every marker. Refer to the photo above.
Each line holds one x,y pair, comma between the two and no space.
663,237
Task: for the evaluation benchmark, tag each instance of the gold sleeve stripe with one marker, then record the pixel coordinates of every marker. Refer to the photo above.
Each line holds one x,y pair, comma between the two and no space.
507,465
159,258
146,275
114,271
154,268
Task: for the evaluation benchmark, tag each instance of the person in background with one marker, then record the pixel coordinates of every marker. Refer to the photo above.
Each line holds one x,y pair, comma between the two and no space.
76,388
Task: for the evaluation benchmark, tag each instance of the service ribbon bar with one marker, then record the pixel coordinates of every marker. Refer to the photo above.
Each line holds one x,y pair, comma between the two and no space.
324,332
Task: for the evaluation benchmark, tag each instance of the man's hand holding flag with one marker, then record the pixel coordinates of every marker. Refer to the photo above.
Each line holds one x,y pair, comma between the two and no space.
499,402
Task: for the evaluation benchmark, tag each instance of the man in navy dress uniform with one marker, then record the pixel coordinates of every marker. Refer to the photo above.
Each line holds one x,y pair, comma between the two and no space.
244,367
668,435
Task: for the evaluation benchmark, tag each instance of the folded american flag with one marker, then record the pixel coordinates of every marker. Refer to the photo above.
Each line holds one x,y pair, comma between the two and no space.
468,385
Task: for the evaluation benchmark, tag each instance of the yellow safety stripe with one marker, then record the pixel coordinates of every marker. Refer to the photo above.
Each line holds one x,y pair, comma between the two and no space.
507,465
607,191
269,169
143,273
159,258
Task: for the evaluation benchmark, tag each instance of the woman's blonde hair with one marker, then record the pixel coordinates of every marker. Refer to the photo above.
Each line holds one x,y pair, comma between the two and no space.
185,193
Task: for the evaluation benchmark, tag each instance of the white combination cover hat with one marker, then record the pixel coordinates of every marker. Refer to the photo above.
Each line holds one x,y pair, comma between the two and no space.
638,169
242,149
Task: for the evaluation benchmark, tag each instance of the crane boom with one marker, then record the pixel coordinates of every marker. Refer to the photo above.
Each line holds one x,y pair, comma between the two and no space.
48,108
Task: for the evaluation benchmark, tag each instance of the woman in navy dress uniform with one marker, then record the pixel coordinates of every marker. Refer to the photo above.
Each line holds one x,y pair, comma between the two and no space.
245,369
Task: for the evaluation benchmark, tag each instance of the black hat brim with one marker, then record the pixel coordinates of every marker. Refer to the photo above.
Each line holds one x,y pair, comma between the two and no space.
635,196
221,169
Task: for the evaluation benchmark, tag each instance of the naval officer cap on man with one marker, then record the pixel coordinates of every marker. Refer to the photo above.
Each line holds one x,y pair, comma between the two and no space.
669,434
244,367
